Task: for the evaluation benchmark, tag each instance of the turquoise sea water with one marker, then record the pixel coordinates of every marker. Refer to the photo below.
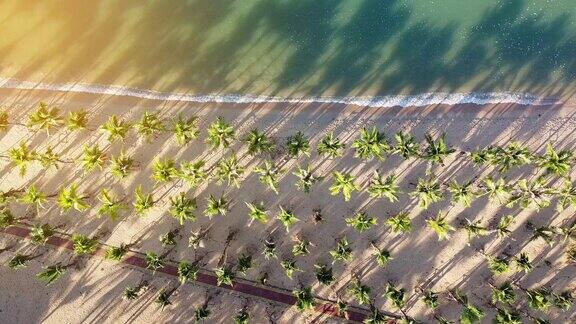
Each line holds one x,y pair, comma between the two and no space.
296,47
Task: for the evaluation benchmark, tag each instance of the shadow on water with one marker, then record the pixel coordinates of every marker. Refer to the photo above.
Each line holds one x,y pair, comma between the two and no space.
300,48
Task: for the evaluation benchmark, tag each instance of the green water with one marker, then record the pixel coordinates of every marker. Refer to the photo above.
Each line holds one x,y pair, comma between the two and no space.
296,47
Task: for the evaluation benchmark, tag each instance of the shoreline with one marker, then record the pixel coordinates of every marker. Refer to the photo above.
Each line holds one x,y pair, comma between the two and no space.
389,101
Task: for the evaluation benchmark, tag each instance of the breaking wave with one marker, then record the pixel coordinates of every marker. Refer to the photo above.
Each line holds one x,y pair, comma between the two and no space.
424,99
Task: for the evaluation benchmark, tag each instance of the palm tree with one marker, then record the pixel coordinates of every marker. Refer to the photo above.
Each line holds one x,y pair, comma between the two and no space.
557,163
304,298
131,293
270,250
21,156
201,313
437,150
4,122
269,173
485,155
383,256
149,125
220,133
342,308
344,183
324,274
18,261
39,234
45,118
370,144
523,263
388,187
92,158
182,208
143,202
441,226
289,267
431,299
375,316
83,244
497,190
470,313
427,192
68,198
258,142
298,145
34,196
504,294
400,223
330,146
164,170
539,299
406,145
462,194
121,165
154,262
504,316
504,225
187,272
216,206
197,237
168,239
185,129
257,213
116,129
306,179
395,295
48,158
230,170
193,173
301,247
111,205
545,233
163,299
116,253
51,274
361,222
77,120
244,263
563,300
512,155
287,218
7,219
498,265
342,252
474,229
566,196
224,275
242,317
534,194
360,292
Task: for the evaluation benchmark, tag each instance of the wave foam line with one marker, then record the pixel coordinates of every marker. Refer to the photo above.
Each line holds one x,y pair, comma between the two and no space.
424,99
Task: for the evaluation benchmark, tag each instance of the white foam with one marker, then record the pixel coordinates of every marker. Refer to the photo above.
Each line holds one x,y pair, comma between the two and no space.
423,99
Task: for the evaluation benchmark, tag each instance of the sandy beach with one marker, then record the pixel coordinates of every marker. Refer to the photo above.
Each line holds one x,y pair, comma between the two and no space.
93,291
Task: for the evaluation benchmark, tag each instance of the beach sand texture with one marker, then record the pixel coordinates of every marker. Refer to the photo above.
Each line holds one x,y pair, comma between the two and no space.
420,260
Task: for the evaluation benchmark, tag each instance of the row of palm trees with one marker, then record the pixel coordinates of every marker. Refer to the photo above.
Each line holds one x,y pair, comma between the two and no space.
536,193
185,208
503,297
371,143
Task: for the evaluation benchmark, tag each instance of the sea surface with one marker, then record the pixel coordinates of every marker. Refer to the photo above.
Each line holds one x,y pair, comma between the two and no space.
295,48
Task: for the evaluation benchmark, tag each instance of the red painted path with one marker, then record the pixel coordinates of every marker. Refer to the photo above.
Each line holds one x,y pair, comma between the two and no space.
137,260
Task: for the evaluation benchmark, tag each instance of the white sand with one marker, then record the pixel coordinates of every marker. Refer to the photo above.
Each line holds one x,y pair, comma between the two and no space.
419,259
